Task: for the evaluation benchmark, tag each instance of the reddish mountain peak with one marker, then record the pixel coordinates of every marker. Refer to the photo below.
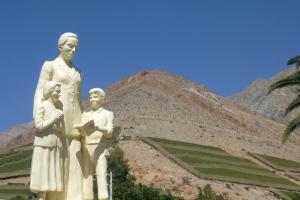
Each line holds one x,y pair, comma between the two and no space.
165,77
137,76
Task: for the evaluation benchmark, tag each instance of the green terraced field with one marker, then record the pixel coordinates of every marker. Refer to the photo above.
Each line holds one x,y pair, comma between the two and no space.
286,195
292,195
16,166
185,144
200,159
244,175
10,191
214,163
15,162
278,163
9,153
16,157
293,176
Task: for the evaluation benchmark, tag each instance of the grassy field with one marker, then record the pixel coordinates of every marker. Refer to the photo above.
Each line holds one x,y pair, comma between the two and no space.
214,163
10,191
295,176
14,164
286,195
15,161
278,163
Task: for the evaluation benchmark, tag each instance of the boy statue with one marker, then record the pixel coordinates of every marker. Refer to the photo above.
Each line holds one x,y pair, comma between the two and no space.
97,125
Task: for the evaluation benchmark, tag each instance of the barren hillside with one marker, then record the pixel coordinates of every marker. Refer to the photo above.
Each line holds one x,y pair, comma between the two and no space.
164,105
160,104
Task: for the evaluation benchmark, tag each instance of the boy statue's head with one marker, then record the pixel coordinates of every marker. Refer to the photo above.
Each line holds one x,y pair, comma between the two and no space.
96,98
51,90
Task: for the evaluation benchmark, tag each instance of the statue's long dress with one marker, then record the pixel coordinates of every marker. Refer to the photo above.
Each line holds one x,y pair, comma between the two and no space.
70,80
46,167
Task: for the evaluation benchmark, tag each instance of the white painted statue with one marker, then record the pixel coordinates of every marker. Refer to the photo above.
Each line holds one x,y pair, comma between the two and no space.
62,71
47,165
69,146
97,125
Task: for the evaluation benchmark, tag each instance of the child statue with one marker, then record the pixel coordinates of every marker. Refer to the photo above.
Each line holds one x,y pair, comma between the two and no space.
97,126
47,166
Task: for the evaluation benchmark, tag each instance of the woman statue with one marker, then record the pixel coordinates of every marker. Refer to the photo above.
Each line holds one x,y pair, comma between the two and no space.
62,71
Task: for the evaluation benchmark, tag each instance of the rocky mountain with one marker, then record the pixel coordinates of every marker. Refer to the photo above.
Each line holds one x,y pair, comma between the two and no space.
17,135
256,98
159,104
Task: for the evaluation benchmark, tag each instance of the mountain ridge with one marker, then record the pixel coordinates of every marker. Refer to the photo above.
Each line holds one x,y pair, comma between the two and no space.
160,104
256,98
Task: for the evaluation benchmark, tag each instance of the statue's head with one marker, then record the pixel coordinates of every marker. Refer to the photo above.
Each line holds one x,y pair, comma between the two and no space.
67,45
96,98
51,90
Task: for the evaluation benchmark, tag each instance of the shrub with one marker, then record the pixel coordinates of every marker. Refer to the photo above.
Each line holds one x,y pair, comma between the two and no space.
18,198
208,194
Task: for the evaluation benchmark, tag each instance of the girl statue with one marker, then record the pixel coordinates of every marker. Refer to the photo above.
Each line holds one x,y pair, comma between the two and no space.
47,167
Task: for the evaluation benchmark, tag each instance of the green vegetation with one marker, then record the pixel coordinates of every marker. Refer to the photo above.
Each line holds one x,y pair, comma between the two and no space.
199,159
185,144
14,192
292,195
293,176
278,163
281,162
16,157
286,195
16,166
124,186
290,80
215,163
175,150
9,153
15,163
208,194
244,176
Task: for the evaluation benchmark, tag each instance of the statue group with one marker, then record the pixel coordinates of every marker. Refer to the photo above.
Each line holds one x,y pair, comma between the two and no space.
69,147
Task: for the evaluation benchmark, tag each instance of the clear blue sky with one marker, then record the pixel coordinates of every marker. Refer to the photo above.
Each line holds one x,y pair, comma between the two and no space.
223,45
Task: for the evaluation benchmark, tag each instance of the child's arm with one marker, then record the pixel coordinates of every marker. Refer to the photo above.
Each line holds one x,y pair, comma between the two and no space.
42,124
108,128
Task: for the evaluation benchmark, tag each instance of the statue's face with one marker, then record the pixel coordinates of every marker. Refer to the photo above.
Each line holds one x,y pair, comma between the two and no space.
55,94
95,101
68,50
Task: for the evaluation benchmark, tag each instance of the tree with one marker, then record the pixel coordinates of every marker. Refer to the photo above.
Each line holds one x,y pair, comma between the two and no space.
290,80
